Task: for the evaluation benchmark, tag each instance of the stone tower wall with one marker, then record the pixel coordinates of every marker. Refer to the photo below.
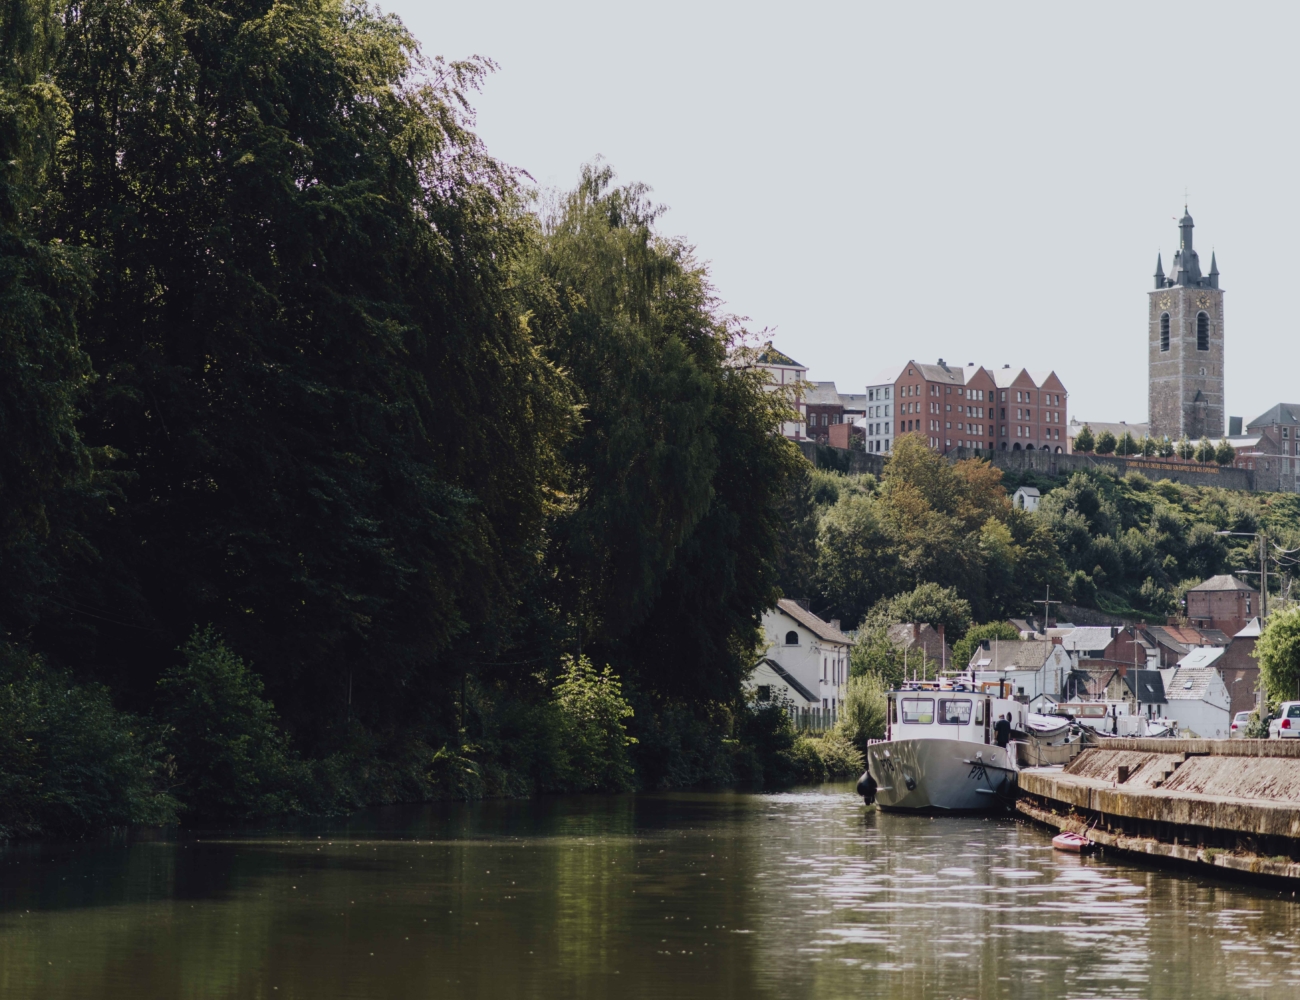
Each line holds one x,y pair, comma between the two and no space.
1177,375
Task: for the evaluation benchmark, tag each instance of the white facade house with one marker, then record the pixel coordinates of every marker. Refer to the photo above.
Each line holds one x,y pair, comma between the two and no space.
1026,498
788,376
878,419
1198,700
807,659
1033,669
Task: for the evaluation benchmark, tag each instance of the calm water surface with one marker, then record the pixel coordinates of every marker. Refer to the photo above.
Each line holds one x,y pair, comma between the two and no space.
804,894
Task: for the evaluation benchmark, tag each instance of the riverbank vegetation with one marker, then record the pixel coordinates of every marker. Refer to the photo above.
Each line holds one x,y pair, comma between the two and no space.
341,466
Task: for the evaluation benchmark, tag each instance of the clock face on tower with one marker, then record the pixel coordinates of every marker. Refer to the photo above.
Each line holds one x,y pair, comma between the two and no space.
1203,301
1166,301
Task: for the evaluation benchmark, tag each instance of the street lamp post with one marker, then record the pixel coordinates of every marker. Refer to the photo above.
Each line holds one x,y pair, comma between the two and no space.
1263,566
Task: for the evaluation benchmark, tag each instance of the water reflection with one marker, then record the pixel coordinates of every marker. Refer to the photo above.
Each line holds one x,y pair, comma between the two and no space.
689,895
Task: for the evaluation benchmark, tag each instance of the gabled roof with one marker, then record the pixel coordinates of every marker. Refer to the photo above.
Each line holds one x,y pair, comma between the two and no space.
1088,637
1190,683
1183,638
1012,654
1251,631
1029,491
887,377
1146,685
789,678
1282,413
821,394
1005,377
815,625
951,374
1201,656
769,355
1225,581
853,400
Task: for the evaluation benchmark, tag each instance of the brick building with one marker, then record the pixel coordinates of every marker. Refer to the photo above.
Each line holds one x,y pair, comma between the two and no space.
1240,669
823,408
1032,411
1223,603
1185,346
979,409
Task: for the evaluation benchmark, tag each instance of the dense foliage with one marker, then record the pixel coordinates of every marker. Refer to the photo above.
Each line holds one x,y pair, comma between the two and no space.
287,355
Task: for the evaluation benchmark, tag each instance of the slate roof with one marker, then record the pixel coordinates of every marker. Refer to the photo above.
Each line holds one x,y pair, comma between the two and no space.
887,377
1012,654
940,373
769,355
1225,581
1198,677
1282,413
1146,685
819,628
789,678
853,400
1201,657
1183,639
1251,631
821,394
1029,491
1088,637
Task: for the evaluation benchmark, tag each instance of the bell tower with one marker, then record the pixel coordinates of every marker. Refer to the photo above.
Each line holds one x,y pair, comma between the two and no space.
1185,346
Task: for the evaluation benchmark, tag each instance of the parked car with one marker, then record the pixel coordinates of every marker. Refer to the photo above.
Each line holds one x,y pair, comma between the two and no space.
1286,724
1237,731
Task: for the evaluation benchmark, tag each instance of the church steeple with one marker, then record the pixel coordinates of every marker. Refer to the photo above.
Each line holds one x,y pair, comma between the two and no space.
1187,265
1160,272
1214,271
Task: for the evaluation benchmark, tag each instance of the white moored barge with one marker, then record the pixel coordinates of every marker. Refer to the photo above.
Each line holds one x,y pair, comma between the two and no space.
940,751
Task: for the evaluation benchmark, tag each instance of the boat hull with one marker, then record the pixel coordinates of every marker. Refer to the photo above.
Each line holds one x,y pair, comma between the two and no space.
938,775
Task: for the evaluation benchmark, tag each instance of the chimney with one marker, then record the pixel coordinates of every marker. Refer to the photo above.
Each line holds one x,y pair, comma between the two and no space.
984,644
916,631
835,624
1058,640
1114,631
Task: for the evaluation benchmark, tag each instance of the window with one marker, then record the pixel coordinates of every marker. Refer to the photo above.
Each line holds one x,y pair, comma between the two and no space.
792,638
1202,331
1004,395
765,692
1164,331
917,711
954,711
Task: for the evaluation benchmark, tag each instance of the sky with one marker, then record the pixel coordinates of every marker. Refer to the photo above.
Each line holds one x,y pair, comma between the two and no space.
873,183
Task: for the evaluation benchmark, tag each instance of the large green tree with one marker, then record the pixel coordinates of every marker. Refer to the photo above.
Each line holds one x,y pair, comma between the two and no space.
43,370
338,434
677,487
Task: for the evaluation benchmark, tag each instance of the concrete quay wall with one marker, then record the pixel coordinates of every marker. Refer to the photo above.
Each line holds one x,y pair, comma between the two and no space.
1229,804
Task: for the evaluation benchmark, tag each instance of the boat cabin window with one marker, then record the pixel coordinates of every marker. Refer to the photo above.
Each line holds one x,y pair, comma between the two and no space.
954,711
918,711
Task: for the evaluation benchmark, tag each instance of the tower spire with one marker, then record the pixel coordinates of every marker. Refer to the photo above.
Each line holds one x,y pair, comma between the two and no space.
1160,272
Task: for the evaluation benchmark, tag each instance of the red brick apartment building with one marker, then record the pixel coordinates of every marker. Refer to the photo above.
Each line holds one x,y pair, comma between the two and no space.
982,410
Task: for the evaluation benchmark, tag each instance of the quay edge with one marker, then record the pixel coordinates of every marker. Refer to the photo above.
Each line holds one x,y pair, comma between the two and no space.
1229,805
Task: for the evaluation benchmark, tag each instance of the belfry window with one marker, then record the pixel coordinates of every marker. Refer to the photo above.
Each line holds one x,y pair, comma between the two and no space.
1202,331
1164,331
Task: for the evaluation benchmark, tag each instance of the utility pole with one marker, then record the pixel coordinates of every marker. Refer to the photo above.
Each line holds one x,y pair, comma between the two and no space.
1047,603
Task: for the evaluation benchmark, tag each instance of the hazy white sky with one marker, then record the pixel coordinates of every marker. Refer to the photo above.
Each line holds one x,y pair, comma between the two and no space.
977,182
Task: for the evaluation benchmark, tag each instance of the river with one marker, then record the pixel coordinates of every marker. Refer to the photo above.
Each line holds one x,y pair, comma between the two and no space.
709,895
